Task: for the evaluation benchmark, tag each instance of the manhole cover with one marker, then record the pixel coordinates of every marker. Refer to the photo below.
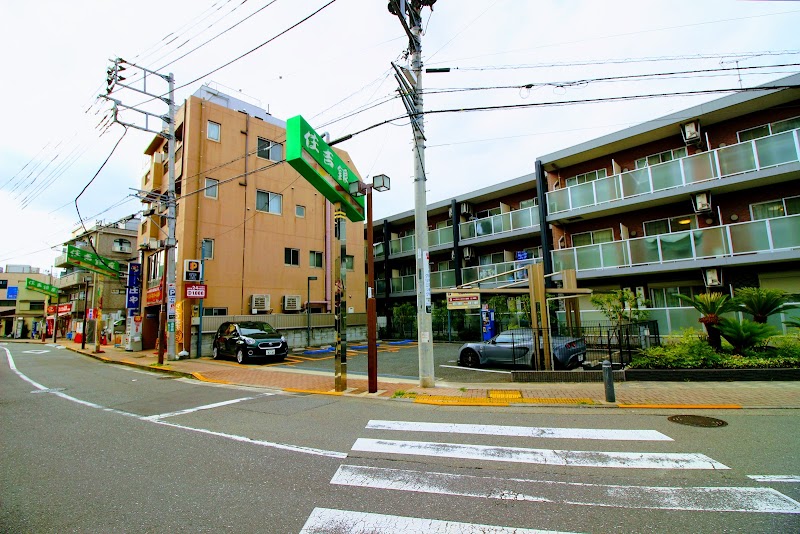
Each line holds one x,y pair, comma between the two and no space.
697,420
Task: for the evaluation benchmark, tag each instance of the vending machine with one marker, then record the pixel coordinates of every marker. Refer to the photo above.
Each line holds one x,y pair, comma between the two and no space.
488,325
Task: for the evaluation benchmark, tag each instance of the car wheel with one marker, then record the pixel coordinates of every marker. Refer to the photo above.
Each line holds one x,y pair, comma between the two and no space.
470,358
240,356
215,353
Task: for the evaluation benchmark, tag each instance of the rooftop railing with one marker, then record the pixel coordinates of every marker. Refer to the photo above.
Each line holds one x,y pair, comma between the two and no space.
757,154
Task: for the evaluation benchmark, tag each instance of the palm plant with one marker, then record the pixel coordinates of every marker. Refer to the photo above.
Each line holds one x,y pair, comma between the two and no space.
761,303
711,307
746,334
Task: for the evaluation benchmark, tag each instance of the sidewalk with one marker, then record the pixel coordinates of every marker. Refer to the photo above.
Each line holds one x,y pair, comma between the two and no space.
677,395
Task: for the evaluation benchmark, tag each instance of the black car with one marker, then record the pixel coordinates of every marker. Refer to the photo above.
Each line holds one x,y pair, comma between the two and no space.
249,339
516,346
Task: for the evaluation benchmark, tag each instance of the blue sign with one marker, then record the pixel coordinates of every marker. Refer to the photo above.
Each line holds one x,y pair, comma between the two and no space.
134,298
522,255
12,292
134,274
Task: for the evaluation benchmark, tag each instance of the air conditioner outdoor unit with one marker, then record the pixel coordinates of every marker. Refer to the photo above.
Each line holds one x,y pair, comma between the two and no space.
450,213
467,253
453,254
712,277
702,201
466,209
259,303
691,132
292,303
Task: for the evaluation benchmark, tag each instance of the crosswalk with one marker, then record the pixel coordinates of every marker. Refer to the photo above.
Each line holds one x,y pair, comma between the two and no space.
533,490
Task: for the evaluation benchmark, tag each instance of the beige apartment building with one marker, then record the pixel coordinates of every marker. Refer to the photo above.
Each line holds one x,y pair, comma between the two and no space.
22,311
266,231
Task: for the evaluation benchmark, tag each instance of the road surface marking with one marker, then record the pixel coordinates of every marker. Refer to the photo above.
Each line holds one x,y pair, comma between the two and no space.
634,460
776,478
326,520
205,407
35,351
522,431
148,419
705,499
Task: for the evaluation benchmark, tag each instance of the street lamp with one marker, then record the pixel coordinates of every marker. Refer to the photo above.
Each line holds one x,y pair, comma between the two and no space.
308,309
379,183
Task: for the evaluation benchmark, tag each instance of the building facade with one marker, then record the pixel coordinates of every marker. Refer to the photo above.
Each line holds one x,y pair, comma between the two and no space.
268,235
22,311
707,198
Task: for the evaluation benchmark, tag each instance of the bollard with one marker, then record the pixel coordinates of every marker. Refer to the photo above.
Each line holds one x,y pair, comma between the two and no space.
608,381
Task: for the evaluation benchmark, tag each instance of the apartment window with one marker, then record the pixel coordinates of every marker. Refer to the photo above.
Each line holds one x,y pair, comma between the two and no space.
488,213
489,259
444,266
673,224
210,190
291,256
3,284
586,177
269,202
349,263
211,312
299,211
269,150
768,129
121,245
207,249
213,130
667,297
36,305
315,259
661,157
7,303
530,203
592,238
155,265
775,208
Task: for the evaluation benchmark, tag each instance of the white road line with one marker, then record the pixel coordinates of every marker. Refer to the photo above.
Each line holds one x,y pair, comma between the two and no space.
151,419
705,499
636,460
776,478
327,520
521,431
205,407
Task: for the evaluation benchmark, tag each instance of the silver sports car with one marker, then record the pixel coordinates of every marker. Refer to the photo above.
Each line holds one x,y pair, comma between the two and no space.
515,347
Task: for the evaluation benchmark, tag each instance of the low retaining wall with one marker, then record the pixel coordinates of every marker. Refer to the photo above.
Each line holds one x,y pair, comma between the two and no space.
295,337
711,375
563,376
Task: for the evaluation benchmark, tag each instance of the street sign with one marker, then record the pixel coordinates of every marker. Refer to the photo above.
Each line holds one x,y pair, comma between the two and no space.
191,271
172,295
41,287
195,291
134,298
92,262
463,301
311,156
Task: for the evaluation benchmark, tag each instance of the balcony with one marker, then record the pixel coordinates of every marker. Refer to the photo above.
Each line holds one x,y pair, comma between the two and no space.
765,152
440,236
404,284
443,279
406,245
498,224
72,279
499,270
732,240
402,245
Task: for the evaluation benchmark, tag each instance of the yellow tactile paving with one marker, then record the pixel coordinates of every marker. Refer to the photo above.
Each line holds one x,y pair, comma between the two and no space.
555,400
509,394
461,401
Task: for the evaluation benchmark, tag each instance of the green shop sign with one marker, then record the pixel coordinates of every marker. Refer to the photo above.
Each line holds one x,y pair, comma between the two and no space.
92,262
41,287
311,156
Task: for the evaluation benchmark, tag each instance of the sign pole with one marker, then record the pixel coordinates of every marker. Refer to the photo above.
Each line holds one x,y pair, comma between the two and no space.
340,300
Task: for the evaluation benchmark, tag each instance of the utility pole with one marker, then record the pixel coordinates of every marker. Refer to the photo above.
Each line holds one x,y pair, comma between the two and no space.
411,93
114,80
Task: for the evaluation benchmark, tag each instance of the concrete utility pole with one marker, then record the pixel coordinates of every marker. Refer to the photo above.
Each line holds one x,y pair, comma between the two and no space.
411,93
114,80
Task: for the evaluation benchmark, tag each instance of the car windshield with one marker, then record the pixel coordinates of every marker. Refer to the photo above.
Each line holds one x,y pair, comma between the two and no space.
514,336
257,330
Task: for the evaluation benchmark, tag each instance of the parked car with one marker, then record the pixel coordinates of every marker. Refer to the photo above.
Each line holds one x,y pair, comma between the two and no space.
515,346
249,340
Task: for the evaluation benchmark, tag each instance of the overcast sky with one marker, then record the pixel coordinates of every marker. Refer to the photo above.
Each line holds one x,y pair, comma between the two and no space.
336,63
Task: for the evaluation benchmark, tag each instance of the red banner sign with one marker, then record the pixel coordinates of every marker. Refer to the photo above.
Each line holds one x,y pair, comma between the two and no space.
195,291
154,296
63,309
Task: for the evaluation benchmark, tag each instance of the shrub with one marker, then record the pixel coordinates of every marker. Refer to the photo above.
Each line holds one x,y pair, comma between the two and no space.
689,352
746,334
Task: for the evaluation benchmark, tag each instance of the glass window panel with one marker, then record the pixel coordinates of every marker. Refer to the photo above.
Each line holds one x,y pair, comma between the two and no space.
262,201
275,203
735,159
449,278
579,240
685,222
652,160
211,188
776,150
213,131
656,227
657,299
753,133
642,162
407,243
672,299
300,211
792,205
603,236
684,318
679,152
766,210
783,126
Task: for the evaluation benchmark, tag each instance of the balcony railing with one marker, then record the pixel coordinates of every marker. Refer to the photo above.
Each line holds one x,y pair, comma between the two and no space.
471,274
404,284
443,279
749,156
439,236
767,235
72,279
402,244
377,249
503,222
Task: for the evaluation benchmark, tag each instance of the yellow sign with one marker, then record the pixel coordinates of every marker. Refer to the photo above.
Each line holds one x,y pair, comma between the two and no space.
463,301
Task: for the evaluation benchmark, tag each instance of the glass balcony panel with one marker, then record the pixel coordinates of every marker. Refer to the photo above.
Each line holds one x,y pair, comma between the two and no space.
614,254
408,283
377,249
394,246
380,286
440,236
397,285
608,189
588,257
666,175
448,278
676,246
485,271
776,149
785,231
682,318
736,159
436,280
483,226
558,200
563,259
635,182
582,195
433,238
407,243
749,237
523,218
643,250
501,223
710,242
699,167
469,274
466,230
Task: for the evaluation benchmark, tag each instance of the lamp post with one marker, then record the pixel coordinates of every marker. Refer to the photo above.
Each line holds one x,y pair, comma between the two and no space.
379,183
86,281
308,309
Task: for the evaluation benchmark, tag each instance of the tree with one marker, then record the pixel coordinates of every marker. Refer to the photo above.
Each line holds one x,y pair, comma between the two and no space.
402,314
762,303
711,307
620,306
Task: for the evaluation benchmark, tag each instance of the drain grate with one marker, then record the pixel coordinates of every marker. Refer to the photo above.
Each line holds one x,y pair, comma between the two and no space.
697,420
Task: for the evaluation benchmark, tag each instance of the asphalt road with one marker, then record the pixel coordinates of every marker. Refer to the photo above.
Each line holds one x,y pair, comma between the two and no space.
92,447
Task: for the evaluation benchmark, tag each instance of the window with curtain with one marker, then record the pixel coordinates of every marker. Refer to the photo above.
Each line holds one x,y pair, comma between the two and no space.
269,202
